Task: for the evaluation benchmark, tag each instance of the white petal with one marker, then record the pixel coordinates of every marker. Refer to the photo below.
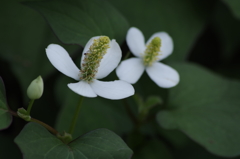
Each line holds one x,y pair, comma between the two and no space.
130,70
82,88
61,60
110,60
113,90
163,75
166,46
87,46
135,41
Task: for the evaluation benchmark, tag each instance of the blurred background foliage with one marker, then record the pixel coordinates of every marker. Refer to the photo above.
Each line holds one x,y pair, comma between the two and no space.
206,39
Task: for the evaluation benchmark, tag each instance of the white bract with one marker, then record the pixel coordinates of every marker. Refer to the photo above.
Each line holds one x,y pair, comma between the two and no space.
99,58
157,48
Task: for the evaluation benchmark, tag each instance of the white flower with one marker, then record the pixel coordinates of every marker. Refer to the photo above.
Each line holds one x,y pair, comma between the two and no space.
158,47
99,58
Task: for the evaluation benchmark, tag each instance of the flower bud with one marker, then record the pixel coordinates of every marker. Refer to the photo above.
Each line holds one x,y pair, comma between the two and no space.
35,89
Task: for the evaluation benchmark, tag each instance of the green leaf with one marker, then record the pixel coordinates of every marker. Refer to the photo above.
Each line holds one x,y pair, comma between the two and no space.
206,107
36,142
145,106
95,112
153,149
25,37
5,117
234,5
183,20
227,28
152,101
76,21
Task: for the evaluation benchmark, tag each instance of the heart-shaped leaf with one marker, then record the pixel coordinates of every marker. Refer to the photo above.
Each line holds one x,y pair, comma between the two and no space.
5,117
36,142
207,108
76,21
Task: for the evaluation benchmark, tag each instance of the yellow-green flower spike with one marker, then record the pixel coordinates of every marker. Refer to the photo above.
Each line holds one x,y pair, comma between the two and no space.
93,58
152,51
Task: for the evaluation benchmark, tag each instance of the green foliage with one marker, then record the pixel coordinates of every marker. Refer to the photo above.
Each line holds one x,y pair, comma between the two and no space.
5,117
206,107
226,27
234,5
151,102
145,106
36,142
76,21
24,37
154,149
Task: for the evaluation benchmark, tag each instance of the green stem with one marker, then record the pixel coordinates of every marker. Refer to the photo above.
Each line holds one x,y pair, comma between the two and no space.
74,121
129,112
30,106
49,128
13,113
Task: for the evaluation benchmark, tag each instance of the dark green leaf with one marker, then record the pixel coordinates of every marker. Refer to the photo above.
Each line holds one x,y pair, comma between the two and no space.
76,21
5,117
234,5
153,149
152,101
36,142
184,20
206,107
227,28
25,36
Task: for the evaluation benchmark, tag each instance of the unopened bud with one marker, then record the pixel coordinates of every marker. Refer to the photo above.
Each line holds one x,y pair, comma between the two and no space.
35,89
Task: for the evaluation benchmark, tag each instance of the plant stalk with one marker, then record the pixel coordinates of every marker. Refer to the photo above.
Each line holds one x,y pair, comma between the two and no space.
49,128
30,106
74,121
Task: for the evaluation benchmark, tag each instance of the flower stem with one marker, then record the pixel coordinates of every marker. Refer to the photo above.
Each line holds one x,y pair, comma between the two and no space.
13,113
129,112
30,106
49,128
74,121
